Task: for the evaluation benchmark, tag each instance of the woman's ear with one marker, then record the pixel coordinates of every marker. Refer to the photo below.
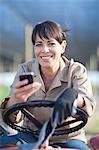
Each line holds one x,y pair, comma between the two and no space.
64,44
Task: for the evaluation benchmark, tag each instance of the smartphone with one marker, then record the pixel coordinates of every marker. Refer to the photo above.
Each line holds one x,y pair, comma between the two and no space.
27,75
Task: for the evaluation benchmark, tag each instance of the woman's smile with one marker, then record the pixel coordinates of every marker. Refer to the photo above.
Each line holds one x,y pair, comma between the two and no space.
46,58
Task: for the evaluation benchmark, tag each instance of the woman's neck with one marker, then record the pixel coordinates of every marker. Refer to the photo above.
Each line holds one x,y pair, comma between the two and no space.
48,74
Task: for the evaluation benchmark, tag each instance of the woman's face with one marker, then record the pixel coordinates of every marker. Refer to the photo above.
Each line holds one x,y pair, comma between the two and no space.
48,51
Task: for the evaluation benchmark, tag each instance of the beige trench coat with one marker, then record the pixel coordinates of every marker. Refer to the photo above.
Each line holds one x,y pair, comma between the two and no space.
71,74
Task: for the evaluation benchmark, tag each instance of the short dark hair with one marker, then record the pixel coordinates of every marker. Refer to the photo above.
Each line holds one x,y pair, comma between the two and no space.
48,29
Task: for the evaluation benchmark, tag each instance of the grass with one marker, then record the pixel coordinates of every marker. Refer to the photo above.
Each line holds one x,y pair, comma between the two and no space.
93,125
4,91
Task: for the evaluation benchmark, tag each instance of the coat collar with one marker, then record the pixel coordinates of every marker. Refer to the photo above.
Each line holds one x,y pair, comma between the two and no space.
62,75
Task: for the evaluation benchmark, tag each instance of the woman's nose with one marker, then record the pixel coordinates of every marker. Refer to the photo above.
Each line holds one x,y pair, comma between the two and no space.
45,48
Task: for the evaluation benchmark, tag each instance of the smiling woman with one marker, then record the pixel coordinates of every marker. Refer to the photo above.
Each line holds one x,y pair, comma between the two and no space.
57,79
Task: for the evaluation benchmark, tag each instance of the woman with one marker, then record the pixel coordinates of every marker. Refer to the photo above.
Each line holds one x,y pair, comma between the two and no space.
54,73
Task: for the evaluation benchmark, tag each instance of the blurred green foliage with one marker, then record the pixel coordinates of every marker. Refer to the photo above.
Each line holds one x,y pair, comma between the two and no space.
4,91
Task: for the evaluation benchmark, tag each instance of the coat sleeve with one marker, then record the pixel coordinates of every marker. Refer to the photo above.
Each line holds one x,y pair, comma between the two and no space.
81,82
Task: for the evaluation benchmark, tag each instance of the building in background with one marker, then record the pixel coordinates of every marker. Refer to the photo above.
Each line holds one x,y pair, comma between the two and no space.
17,17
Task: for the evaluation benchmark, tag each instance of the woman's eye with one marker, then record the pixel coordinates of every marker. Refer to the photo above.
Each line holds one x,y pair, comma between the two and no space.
38,45
52,44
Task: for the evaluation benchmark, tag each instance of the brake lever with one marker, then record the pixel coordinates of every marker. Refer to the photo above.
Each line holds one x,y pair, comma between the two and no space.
48,129
46,132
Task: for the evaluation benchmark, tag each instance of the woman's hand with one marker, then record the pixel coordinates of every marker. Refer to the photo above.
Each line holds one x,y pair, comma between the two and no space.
22,92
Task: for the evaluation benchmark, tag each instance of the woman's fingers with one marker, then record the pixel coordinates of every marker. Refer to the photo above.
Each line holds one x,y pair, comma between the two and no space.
22,93
21,83
34,86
